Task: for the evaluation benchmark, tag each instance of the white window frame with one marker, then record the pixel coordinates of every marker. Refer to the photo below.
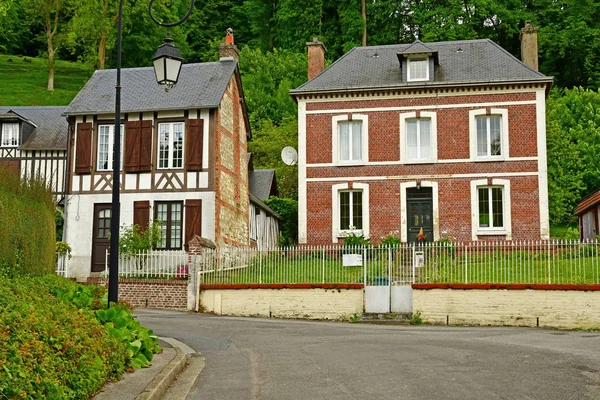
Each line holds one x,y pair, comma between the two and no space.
413,59
170,151
404,137
503,113
13,136
335,121
506,208
111,141
336,231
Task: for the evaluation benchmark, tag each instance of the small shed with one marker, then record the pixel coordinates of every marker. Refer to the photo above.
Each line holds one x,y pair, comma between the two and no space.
588,212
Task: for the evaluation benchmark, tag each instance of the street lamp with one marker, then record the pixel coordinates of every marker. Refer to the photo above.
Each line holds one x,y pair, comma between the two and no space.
167,64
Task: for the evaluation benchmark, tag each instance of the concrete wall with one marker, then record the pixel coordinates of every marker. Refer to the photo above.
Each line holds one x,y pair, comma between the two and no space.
315,303
515,307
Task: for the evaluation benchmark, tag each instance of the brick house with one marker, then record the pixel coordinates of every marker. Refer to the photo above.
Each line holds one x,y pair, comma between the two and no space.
184,159
33,142
447,137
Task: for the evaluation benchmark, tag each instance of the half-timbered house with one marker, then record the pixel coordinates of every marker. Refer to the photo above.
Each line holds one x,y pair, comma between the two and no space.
184,159
33,143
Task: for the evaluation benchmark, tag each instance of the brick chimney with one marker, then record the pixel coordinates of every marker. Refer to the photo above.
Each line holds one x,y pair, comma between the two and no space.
228,50
529,45
316,58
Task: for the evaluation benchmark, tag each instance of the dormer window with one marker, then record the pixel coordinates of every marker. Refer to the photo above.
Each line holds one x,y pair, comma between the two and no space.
10,135
418,69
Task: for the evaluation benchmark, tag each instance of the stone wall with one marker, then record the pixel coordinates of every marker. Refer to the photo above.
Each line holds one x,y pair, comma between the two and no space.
334,302
561,306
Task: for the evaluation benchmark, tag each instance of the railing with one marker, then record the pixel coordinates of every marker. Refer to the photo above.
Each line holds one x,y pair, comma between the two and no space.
509,262
152,264
62,266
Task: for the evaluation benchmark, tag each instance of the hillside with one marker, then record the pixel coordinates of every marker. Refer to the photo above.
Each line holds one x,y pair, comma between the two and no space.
24,81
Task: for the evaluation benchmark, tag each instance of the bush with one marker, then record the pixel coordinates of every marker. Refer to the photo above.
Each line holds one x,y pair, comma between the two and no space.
49,348
288,209
28,228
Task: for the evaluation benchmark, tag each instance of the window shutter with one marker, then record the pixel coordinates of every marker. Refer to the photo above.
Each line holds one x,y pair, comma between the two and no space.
132,146
193,213
145,164
83,156
194,138
141,214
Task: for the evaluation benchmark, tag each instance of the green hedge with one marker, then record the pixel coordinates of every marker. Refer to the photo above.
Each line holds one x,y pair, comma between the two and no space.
27,237
50,348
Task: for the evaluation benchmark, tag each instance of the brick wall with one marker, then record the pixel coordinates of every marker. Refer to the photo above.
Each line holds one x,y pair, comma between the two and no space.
152,293
554,307
231,176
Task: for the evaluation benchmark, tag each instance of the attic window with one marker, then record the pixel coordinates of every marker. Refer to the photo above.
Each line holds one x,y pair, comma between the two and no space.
10,135
418,69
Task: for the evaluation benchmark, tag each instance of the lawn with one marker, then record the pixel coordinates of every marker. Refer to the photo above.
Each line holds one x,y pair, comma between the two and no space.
25,79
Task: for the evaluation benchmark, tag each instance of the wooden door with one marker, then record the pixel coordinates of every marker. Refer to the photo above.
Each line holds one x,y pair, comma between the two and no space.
100,240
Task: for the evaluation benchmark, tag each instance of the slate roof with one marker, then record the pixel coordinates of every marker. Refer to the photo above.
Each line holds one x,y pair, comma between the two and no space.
417,47
50,127
260,182
460,62
200,85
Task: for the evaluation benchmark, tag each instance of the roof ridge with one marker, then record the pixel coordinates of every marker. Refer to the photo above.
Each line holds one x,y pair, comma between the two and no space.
151,67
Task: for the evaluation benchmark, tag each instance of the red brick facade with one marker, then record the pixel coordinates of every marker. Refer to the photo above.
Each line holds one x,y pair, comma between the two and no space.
453,172
152,293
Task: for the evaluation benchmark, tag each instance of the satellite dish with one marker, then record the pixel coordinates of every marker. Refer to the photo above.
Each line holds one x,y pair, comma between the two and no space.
289,155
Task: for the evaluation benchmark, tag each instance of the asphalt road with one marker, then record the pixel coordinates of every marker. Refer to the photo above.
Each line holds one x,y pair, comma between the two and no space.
250,358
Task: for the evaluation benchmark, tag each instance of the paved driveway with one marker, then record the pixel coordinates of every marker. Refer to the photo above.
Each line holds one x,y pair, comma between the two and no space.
278,359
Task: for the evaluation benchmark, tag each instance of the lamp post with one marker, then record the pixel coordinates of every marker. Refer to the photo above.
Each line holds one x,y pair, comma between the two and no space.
167,65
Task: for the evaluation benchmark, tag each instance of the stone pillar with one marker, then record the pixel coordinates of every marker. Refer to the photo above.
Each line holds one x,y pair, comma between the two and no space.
316,57
228,50
529,45
196,253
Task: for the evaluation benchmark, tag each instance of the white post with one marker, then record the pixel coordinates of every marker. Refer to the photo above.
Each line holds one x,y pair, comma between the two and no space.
260,267
323,267
466,263
364,263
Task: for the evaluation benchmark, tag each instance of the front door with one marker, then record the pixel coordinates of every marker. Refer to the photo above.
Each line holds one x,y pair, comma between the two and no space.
419,204
100,240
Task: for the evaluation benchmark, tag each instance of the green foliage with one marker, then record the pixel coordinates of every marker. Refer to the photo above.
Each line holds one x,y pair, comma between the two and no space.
288,209
63,249
416,319
27,240
355,240
392,239
132,240
49,348
573,142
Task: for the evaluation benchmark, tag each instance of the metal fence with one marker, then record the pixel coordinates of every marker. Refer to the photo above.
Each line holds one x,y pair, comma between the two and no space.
528,262
152,264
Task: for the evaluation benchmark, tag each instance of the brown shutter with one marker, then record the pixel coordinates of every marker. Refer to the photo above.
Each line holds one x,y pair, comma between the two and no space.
83,159
193,213
132,146
194,137
141,214
145,163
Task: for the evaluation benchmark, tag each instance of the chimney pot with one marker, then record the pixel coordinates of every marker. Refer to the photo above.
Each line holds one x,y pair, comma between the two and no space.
228,50
316,57
529,45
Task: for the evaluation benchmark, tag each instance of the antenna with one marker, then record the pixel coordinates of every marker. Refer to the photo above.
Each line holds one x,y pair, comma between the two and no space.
289,155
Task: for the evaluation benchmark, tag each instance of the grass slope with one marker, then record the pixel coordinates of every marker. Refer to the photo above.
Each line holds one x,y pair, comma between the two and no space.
24,82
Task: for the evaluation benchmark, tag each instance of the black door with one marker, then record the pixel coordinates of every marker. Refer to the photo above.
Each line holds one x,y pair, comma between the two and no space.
419,205
100,240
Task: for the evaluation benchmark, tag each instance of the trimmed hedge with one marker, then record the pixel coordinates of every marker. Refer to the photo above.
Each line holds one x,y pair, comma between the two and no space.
27,237
52,349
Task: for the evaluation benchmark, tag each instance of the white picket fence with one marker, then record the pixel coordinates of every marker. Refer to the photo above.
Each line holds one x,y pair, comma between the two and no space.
62,266
510,262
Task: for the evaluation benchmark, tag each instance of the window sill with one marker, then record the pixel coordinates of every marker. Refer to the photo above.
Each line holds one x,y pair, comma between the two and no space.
349,164
491,232
422,161
487,159
343,234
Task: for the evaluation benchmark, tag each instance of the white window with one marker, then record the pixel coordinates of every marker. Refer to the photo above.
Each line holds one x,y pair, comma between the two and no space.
10,135
489,134
170,145
350,139
418,69
105,147
490,207
350,209
418,137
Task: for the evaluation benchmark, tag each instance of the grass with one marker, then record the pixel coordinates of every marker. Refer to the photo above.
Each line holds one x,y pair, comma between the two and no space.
24,83
561,231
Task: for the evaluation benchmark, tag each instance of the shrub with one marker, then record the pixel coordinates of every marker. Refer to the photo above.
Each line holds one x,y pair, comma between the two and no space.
49,348
288,210
28,228
392,239
133,240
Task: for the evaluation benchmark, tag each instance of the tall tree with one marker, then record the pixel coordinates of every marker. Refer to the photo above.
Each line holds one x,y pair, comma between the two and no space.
363,9
49,11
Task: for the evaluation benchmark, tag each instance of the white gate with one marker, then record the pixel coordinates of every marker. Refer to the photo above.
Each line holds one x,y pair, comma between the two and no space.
389,275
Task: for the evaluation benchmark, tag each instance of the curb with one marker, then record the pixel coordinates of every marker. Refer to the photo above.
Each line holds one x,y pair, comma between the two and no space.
166,377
